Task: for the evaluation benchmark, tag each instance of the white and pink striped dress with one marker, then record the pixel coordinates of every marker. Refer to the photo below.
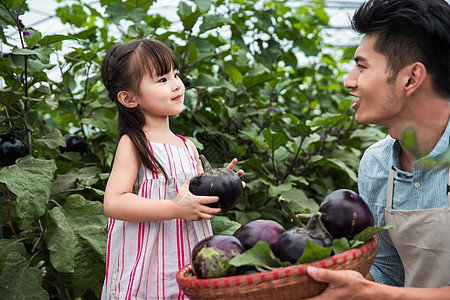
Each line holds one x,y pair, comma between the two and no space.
143,258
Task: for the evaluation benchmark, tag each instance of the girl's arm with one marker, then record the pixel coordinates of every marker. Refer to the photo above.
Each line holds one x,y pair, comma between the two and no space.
120,203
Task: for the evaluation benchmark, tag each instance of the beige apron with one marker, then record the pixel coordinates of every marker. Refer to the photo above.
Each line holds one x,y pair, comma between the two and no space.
422,239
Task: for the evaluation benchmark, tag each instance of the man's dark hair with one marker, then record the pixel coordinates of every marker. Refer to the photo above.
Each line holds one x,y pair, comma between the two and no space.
410,31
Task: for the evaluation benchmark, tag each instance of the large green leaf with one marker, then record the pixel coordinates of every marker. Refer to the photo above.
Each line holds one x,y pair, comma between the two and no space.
75,178
53,140
42,52
31,180
321,161
274,139
207,81
19,281
223,225
7,246
76,239
299,202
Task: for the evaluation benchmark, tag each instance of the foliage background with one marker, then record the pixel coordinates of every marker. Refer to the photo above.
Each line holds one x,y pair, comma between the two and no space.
261,85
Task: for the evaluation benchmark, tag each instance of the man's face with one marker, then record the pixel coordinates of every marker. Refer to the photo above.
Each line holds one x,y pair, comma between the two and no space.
376,99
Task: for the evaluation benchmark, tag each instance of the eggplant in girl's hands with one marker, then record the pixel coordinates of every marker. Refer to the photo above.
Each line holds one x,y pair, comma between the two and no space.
222,182
345,214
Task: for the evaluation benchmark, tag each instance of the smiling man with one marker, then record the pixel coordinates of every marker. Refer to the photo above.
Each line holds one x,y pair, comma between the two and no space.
401,79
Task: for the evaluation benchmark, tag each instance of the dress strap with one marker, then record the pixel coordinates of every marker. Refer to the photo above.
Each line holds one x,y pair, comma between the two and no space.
182,137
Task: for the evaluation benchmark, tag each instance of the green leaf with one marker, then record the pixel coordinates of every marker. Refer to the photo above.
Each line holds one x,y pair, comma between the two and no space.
223,225
9,97
105,125
300,126
203,5
340,245
53,140
75,178
321,161
20,281
31,180
35,66
42,52
259,256
233,73
313,252
274,139
33,39
252,80
187,16
205,81
368,233
213,22
257,139
7,246
50,39
409,139
116,11
76,238
329,119
299,202
279,189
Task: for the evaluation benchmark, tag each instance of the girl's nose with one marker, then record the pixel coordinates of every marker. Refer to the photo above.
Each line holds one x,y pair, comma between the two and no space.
352,79
178,84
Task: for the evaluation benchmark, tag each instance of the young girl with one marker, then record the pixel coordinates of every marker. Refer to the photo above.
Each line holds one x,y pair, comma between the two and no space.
154,220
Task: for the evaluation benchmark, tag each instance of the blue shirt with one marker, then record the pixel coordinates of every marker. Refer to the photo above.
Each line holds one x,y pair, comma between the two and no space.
422,189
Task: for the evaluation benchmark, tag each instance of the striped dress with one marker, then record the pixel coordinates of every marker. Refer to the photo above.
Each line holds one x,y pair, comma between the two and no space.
143,257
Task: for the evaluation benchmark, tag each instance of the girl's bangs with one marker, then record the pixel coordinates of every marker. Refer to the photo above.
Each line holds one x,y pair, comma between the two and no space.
157,60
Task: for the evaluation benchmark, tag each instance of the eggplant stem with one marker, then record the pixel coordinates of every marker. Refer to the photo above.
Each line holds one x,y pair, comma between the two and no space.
289,212
206,165
8,209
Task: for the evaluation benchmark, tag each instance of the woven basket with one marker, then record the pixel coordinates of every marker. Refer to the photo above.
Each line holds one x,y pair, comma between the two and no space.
283,283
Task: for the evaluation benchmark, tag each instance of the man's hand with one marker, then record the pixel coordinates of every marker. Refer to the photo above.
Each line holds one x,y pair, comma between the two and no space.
345,284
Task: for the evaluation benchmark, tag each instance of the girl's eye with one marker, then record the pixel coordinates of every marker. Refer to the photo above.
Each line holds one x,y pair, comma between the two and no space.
162,79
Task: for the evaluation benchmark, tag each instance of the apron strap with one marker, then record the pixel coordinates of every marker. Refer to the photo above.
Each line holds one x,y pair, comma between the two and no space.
448,187
390,188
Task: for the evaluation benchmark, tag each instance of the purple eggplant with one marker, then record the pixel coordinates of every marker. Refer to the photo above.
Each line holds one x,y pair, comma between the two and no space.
345,214
11,148
211,255
292,243
222,182
259,230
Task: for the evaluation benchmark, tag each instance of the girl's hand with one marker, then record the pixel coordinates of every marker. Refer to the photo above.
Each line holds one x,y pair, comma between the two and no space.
192,207
239,173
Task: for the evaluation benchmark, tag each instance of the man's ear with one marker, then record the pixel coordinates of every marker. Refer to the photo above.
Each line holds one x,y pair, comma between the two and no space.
127,99
417,73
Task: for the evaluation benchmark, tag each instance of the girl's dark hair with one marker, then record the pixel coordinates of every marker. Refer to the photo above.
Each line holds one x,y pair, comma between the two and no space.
123,69
409,31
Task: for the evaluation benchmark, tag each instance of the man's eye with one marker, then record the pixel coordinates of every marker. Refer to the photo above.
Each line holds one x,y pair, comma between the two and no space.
360,66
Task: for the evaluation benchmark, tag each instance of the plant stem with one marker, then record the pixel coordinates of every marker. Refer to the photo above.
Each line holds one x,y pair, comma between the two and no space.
289,212
8,209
